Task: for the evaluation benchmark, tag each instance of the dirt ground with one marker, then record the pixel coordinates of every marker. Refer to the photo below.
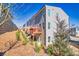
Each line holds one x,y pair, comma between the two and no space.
12,47
7,40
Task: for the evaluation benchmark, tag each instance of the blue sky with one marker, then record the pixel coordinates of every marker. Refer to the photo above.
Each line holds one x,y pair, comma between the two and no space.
24,11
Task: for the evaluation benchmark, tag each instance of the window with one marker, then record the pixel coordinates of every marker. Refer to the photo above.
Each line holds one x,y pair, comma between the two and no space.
48,38
78,29
48,12
48,25
39,25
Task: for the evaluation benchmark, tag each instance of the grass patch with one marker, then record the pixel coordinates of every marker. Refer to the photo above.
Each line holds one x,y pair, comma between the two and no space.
22,37
37,47
25,39
18,35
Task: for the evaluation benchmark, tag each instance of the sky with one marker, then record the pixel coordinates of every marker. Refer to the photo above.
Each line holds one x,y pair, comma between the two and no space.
22,12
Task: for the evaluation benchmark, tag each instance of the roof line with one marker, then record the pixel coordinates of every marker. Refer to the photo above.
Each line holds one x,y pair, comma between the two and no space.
43,7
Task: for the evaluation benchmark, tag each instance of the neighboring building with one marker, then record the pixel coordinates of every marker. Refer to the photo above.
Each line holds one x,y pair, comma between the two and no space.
77,31
46,20
74,31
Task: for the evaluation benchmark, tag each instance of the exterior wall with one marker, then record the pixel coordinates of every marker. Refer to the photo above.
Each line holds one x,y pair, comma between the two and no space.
52,19
39,20
73,31
77,31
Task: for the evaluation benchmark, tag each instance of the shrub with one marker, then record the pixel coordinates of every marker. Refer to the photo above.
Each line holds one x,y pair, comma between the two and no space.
25,39
22,37
37,48
42,46
60,45
49,50
18,35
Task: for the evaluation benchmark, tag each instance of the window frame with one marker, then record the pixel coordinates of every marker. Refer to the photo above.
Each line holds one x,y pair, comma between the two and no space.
49,38
49,25
48,12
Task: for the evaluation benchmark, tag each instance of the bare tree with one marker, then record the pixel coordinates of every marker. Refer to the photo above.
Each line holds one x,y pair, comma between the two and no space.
4,13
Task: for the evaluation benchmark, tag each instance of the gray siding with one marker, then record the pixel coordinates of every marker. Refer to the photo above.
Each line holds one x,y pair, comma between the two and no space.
52,19
48,16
